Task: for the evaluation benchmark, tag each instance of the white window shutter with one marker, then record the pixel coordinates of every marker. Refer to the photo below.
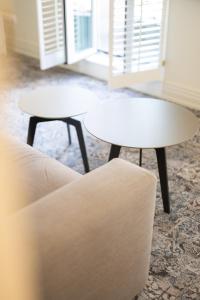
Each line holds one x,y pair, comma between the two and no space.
136,39
51,30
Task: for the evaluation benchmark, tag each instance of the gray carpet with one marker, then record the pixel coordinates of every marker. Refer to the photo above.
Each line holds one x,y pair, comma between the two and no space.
175,260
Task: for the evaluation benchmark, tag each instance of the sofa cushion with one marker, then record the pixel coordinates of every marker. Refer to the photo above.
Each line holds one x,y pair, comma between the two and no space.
38,173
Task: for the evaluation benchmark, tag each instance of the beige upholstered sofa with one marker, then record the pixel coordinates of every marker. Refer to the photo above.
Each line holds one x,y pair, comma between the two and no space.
92,234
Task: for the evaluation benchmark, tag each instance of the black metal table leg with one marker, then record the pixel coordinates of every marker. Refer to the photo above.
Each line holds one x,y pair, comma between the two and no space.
78,127
114,152
162,168
140,160
69,121
31,130
32,127
69,134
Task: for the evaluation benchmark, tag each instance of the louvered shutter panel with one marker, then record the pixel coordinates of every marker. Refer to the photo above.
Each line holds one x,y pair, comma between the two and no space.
51,32
136,40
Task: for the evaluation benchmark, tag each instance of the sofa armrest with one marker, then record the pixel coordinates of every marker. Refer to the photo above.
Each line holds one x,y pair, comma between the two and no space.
38,173
94,235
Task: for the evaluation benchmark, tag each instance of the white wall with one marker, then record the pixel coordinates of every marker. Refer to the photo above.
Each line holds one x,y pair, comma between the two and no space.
182,72
21,26
26,35
6,6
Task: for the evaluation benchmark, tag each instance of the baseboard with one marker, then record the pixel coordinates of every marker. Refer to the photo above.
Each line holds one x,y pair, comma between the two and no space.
171,92
27,48
183,95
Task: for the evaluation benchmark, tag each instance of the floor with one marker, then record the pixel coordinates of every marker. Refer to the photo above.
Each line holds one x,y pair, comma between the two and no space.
175,259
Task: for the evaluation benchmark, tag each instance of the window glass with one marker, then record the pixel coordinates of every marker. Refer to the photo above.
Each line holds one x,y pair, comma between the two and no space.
83,24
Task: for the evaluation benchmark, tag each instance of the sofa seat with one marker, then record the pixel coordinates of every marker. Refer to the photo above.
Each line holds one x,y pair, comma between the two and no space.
39,173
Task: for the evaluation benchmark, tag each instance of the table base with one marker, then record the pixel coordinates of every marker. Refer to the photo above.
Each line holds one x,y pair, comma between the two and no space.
69,121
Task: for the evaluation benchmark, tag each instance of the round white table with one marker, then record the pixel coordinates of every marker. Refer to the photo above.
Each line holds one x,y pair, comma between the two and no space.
61,103
142,123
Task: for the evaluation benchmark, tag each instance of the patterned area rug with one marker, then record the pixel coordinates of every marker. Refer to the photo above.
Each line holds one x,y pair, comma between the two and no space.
175,260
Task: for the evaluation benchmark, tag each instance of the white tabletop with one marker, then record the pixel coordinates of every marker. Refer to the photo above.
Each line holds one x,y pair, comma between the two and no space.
57,102
141,123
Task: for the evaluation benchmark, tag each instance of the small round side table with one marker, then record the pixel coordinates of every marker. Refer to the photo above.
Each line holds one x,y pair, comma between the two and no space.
60,103
143,123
